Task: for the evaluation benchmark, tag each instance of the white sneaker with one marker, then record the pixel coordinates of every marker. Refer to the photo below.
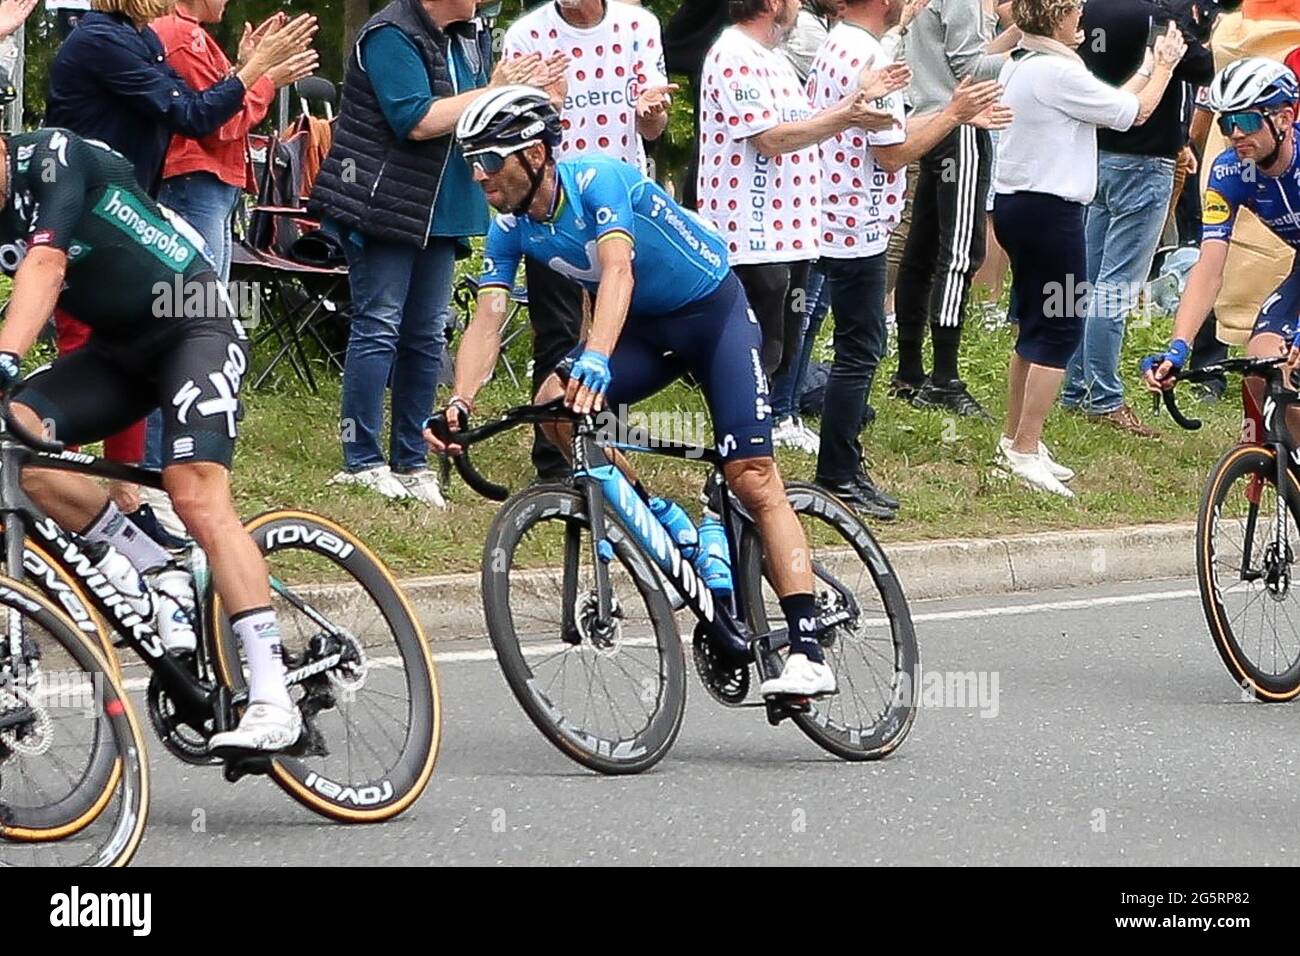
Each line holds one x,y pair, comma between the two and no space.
813,440
788,434
1059,472
264,727
1034,471
161,503
423,486
380,479
800,678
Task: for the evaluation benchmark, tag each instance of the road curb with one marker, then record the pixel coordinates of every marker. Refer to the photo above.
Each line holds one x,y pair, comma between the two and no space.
450,606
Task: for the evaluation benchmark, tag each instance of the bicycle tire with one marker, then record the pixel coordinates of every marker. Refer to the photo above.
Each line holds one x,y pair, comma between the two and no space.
376,798
42,572
642,750
886,733
30,830
1255,462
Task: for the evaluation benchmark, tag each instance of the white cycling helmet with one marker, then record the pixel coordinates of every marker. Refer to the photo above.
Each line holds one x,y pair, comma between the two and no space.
507,117
1253,83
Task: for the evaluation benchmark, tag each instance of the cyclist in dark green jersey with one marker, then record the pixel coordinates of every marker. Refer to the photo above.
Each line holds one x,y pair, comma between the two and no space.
77,231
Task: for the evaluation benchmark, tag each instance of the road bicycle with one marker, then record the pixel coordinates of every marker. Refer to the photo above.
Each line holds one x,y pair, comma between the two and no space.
577,579
74,786
1247,529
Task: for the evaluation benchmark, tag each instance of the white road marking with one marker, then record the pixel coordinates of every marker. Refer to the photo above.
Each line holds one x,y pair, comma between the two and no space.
1012,610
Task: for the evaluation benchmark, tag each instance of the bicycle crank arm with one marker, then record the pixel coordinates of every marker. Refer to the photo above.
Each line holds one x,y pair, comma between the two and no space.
17,718
311,670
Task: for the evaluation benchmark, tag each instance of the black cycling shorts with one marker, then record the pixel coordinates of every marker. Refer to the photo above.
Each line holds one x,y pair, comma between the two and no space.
190,367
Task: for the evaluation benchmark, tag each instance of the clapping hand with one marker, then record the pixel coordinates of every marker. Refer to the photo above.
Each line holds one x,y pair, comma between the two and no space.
875,84
13,14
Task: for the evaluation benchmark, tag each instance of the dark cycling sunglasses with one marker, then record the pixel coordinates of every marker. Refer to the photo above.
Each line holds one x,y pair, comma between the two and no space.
1248,121
491,160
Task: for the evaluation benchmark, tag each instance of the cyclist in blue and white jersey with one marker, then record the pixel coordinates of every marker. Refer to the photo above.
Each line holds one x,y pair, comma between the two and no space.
1256,100
666,303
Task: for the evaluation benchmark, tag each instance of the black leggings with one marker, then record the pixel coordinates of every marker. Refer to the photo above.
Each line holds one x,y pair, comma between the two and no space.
778,296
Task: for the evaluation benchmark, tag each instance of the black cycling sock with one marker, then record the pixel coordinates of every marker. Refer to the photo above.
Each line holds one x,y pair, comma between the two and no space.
801,619
947,343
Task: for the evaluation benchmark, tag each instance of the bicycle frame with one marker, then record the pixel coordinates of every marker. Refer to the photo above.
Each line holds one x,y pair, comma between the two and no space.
1271,423
22,519
602,481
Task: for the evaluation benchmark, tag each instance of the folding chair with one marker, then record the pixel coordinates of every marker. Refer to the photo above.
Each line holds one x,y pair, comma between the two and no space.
299,303
515,324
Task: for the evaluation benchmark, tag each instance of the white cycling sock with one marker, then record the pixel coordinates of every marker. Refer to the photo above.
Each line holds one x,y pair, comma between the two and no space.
259,634
113,527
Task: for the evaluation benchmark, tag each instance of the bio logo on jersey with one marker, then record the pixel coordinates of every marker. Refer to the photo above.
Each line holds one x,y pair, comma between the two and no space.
605,215
1215,210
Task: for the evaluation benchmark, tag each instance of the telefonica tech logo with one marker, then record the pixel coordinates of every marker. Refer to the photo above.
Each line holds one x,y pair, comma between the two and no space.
75,909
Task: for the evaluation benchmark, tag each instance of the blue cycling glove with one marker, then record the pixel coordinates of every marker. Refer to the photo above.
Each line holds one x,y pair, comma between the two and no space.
592,370
1175,356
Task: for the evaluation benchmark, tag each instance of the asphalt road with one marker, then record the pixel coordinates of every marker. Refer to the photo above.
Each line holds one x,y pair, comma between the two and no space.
1115,736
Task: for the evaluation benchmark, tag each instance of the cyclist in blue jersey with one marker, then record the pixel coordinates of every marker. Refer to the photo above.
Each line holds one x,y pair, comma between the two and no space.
666,303
1256,100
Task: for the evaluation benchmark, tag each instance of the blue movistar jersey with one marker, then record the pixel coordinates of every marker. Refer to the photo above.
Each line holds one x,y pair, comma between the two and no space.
1234,184
676,259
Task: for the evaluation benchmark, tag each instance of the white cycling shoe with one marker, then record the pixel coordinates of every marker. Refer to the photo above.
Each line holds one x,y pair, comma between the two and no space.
800,678
264,728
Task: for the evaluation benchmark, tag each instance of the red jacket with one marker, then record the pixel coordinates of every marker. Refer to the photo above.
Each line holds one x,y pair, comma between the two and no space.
199,59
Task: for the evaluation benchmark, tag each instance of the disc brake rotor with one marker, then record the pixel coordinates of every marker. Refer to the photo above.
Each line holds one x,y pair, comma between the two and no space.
36,736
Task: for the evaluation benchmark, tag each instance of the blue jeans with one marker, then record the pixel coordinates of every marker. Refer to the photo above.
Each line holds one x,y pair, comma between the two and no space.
399,300
787,388
206,203
857,294
1123,229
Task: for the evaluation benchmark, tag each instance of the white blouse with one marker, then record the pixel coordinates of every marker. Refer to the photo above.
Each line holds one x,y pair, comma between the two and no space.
1051,146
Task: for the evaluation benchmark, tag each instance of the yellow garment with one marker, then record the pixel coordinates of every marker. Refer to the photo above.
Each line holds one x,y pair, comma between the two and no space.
1258,261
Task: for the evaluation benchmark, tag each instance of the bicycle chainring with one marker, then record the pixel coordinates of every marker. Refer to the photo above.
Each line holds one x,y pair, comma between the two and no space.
727,684
185,742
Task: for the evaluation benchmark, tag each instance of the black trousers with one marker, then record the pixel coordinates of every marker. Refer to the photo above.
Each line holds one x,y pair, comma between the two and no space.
778,295
945,246
555,313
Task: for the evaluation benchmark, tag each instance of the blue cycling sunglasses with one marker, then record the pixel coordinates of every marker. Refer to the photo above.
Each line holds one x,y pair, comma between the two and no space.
1248,121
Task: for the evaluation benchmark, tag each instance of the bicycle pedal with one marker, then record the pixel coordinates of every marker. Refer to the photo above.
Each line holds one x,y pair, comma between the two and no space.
241,764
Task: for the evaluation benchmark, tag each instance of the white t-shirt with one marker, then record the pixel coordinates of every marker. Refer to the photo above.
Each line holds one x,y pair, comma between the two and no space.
860,202
1051,146
765,208
609,64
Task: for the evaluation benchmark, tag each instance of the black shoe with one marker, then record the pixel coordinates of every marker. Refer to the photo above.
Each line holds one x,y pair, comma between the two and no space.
857,497
872,490
904,390
952,396
144,519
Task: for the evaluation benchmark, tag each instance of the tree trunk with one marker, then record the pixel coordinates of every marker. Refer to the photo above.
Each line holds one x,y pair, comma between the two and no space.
355,13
